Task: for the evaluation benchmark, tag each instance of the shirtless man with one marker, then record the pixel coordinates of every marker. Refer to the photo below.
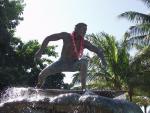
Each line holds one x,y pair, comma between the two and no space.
70,59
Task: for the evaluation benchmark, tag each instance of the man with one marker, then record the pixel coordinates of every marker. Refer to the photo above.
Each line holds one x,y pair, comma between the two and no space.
70,60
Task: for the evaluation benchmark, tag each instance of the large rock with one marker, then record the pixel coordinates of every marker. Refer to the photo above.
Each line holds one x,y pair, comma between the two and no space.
71,103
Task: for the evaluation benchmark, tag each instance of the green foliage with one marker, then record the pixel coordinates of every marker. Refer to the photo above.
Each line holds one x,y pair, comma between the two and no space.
138,34
17,65
123,73
10,15
140,68
55,81
141,100
117,59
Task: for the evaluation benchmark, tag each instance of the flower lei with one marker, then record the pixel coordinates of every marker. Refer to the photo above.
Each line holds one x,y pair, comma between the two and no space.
77,54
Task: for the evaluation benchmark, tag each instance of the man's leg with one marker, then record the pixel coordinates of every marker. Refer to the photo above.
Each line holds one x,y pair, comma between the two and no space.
82,67
83,72
42,77
50,70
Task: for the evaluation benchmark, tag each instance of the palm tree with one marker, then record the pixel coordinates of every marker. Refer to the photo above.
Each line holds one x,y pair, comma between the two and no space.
141,68
117,59
140,32
139,37
124,72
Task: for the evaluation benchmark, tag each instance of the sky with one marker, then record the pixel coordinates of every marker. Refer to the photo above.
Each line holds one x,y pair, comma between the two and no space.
45,17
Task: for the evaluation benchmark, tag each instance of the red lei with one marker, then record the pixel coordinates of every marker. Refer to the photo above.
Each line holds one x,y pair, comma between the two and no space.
77,54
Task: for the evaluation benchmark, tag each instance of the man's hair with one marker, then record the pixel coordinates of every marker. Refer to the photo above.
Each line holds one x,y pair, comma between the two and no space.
80,25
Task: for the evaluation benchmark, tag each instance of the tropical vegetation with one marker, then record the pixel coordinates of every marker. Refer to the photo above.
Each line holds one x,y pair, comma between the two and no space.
17,64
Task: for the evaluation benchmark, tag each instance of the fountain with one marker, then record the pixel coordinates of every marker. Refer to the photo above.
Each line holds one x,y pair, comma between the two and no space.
29,100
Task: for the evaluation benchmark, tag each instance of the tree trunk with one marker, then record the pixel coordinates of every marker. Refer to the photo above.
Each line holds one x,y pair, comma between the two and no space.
145,108
130,93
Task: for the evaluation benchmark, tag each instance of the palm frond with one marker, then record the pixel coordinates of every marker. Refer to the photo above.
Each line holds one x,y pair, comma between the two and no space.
142,55
135,17
141,29
112,46
136,41
141,63
76,79
147,2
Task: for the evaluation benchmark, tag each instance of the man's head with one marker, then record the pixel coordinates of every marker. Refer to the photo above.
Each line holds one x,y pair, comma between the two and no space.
80,29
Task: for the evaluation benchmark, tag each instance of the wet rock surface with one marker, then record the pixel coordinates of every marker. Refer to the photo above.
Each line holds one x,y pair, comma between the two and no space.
67,103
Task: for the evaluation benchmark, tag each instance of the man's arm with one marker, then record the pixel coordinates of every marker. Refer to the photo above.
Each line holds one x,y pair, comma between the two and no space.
53,37
98,51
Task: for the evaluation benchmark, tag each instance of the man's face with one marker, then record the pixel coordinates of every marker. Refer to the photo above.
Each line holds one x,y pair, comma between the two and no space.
82,30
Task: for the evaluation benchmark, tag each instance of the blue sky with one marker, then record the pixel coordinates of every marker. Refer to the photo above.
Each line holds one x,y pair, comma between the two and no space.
45,17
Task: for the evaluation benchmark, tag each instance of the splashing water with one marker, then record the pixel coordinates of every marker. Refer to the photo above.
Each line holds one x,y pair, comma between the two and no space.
31,100
18,94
